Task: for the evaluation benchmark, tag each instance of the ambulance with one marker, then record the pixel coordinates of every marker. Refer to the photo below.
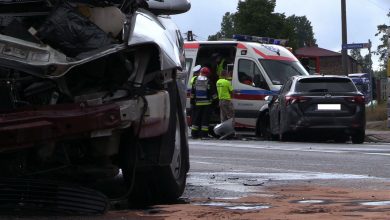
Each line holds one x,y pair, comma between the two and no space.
258,66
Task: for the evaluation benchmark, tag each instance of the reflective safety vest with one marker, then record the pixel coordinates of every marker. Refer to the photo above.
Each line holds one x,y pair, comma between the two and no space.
192,80
201,91
220,67
224,88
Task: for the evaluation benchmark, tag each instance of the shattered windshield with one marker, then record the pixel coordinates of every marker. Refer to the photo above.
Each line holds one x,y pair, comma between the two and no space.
279,71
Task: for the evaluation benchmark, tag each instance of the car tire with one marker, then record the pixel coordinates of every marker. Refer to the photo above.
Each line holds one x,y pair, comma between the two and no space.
341,138
165,183
263,128
358,137
285,136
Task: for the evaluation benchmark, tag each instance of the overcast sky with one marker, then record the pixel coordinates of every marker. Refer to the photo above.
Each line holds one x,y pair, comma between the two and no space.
363,16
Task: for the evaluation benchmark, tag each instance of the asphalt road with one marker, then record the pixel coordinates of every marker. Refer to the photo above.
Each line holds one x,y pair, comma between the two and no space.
229,168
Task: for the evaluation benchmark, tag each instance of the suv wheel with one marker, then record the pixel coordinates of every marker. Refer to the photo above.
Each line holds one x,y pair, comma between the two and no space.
263,128
358,137
286,136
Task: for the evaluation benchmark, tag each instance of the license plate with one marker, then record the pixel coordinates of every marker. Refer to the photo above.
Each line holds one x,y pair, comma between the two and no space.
329,107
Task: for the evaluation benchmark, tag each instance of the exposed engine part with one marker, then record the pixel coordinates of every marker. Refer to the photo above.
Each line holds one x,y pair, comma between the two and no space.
99,15
72,33
19,90
36,197
45,152
105,146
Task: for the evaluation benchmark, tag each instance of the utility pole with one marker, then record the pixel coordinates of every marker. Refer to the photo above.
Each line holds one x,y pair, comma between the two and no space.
344,51
371,75
388,76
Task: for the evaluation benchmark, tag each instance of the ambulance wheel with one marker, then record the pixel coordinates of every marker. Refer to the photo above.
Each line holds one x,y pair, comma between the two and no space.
164,183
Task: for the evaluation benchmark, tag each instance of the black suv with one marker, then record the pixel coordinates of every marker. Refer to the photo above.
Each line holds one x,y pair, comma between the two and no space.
319,106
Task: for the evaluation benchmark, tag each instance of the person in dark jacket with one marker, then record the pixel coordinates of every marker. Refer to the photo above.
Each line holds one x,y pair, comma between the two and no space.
203,95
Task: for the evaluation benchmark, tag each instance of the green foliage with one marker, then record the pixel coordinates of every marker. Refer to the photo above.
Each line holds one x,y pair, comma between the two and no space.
254,17
257,17
365,61
380,74
300,31
383,47
227,25
227,28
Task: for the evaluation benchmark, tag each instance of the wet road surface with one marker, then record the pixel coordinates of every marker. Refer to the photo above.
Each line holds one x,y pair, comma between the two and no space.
234,167
249,179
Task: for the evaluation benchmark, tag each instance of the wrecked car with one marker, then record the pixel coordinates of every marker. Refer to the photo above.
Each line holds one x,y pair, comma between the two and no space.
90,107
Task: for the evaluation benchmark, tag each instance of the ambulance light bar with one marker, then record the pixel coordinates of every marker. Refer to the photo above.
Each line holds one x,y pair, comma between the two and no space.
263,40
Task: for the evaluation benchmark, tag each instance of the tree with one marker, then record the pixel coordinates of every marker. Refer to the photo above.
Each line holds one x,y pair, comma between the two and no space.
302,33
254,17
365,62
257,17
227,25
383,48
355,54
227,28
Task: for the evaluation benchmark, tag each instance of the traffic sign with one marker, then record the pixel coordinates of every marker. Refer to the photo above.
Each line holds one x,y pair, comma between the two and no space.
356,46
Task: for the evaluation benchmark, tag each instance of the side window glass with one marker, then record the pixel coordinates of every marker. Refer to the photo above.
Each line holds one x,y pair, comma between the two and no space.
188,64
188,68
258,78
249,74
245,72
286,87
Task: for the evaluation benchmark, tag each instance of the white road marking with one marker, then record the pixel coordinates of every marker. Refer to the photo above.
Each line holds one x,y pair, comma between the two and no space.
252,146
306,148
202,162
381,154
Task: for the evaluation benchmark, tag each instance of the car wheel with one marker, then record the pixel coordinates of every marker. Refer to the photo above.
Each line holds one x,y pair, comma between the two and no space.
341,138
358,137
263,127
165,183
285,136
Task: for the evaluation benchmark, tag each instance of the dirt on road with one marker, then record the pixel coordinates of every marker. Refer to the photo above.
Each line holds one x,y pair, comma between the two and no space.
281,202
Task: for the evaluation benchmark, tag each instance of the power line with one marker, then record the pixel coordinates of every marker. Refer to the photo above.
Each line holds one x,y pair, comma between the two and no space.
378,6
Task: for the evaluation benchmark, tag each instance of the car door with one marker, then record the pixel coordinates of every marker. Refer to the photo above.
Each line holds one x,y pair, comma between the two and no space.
275,107
249,92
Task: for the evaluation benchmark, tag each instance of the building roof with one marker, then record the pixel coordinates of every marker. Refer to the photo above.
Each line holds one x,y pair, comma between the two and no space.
315,52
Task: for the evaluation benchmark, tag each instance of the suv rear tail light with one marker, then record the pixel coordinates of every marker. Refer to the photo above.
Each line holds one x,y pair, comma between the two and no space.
295,99
356,99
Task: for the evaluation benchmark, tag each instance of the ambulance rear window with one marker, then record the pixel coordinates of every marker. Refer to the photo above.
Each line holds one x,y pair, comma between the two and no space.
279,71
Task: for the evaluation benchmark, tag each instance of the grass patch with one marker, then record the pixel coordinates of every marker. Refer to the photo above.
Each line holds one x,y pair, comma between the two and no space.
377,113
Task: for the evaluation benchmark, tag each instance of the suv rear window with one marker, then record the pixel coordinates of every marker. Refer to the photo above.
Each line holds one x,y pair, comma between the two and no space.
325,85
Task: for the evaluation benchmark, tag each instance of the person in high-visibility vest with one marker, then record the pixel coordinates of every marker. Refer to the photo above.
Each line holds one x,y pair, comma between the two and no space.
203,95
219,64
225,90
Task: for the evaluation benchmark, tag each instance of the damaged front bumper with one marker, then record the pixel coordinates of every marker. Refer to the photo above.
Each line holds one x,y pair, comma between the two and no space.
28,127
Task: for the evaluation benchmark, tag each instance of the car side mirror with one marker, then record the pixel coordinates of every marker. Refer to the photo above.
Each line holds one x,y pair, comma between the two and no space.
169,7
269,99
